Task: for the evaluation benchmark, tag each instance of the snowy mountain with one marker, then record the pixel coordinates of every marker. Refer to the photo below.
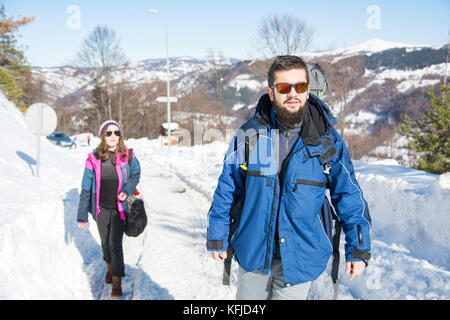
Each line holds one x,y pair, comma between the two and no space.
46,256
67,81
368,47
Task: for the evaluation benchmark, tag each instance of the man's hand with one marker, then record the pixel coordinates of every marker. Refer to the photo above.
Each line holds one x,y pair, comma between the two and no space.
219,255
355,268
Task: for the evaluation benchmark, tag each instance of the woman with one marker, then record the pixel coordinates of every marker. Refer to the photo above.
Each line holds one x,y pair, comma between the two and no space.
107,182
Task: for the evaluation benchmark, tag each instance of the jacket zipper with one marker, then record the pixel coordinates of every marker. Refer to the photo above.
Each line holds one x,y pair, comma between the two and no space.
273,204
287,142
270,223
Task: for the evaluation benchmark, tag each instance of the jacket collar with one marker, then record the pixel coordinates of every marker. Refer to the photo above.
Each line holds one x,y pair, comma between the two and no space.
317,123
94,154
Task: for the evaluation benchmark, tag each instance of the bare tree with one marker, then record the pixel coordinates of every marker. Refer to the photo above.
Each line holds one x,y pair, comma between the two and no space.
344,77
341,75
281,35
101,52
142,115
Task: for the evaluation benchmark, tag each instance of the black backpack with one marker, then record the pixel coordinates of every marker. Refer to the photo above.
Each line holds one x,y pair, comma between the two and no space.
136,220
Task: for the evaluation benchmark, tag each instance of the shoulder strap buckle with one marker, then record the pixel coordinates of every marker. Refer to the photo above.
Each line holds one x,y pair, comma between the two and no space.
327,168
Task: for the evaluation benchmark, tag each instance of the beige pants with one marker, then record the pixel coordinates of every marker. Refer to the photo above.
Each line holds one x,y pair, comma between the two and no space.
256,285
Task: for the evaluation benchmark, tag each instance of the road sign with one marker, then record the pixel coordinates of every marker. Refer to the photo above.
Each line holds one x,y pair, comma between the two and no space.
41,120
173,125
164,99
41,113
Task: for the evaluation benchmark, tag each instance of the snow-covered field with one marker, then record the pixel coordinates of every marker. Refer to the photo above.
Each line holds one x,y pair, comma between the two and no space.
45,255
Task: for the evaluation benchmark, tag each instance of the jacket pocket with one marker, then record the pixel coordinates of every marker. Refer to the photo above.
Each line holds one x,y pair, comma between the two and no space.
309,183
304,200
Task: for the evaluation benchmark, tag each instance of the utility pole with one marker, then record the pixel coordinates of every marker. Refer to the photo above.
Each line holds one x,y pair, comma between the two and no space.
153,11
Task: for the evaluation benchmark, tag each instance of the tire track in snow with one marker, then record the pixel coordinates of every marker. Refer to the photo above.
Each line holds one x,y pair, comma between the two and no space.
177,236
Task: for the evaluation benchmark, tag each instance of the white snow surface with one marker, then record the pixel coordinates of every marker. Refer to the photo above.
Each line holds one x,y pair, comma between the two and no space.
408,79
46,256
246,81
368,47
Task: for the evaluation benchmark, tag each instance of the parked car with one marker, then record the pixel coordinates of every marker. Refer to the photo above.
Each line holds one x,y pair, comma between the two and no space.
60,139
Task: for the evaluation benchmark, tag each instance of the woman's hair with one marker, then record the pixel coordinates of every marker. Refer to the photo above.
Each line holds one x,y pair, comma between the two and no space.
103,151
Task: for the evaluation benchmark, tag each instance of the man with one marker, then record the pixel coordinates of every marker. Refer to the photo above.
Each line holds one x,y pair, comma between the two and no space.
277,183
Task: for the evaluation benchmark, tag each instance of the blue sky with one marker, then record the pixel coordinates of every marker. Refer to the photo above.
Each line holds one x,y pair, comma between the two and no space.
228,27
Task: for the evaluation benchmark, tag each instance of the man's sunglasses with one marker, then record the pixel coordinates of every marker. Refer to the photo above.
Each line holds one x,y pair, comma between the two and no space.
109,133
285,88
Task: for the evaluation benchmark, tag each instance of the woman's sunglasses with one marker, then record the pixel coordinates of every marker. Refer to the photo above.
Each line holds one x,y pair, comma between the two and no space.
285,88
109,133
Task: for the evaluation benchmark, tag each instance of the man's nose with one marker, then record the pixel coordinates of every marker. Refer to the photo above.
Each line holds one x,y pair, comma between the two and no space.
292,92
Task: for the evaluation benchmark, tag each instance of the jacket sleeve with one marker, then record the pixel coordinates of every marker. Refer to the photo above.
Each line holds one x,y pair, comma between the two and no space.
84,205
230,187
134,177
351,207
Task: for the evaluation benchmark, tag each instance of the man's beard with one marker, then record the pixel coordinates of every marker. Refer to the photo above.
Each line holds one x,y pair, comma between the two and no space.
288,118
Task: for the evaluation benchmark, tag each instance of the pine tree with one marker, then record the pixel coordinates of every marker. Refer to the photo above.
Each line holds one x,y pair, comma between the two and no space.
10,89
10,55
13,65
429,135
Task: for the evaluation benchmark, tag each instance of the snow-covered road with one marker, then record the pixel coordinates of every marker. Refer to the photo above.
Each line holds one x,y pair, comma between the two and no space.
170,261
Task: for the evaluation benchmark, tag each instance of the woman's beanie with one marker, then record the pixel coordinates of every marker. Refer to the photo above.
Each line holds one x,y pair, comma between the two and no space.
105,125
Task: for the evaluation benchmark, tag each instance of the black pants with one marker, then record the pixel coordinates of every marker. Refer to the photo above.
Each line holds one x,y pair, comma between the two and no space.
111,229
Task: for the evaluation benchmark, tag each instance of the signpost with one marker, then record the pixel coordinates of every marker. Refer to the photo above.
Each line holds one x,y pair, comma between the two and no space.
41,120
173,140
164,99
168,101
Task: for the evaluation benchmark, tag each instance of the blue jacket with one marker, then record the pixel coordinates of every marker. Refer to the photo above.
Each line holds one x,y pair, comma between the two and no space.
90,186
305,246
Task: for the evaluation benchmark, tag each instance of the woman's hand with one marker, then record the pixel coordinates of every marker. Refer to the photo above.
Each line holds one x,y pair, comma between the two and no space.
122,196
82,225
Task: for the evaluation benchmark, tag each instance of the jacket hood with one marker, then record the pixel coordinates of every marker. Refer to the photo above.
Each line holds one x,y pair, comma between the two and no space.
263,110
318,121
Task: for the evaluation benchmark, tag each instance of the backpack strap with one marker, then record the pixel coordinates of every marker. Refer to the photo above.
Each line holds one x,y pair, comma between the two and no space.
336,258
235,214
335,241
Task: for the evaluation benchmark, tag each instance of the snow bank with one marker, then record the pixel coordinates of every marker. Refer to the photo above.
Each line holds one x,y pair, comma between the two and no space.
39,240
409,209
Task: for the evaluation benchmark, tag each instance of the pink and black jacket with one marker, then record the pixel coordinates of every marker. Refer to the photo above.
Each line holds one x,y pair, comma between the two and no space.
90,186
